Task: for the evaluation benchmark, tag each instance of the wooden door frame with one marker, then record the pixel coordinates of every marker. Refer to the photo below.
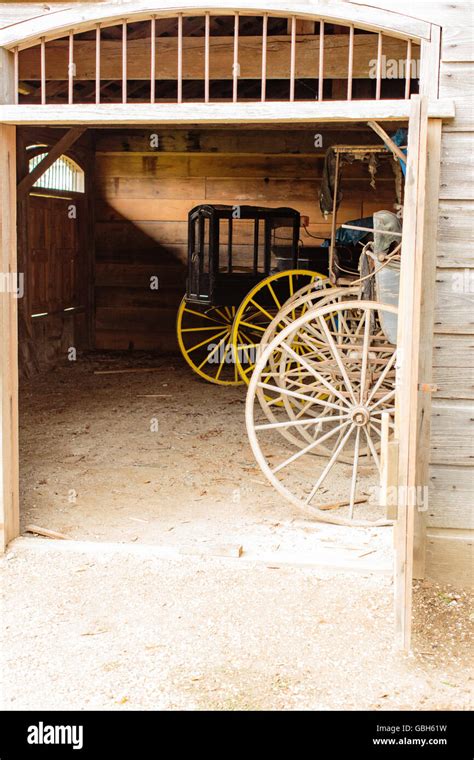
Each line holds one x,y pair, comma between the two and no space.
419,236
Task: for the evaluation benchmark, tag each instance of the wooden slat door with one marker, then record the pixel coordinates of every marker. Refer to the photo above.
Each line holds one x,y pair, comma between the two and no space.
54,253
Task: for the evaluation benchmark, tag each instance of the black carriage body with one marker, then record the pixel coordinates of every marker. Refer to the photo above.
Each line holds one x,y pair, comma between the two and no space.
232,248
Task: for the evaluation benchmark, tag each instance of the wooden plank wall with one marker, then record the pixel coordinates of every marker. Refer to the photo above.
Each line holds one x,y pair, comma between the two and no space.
144,194
450,517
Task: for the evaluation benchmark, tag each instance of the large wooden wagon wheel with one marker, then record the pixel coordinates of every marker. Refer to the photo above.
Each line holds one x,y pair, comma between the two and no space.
258,309
204,337
346,379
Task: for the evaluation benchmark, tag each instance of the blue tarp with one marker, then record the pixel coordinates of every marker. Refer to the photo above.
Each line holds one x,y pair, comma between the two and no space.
352,237
400,138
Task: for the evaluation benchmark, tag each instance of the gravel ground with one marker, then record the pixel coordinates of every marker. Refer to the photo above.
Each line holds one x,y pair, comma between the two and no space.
84,628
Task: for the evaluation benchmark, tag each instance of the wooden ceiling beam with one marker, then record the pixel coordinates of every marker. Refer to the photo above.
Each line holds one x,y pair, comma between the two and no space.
214,113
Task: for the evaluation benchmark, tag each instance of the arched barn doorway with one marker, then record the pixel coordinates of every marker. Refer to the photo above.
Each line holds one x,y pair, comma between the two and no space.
201,106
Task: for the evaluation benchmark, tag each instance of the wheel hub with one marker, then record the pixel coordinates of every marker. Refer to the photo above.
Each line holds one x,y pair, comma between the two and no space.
360,415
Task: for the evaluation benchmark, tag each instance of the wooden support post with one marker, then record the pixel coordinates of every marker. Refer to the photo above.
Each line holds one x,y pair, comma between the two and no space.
124,61
235,68
180,59
70,69
293,58
408,70
153,59
43,70
321,61
207,32
9,456
16,75
350,64
264,57
97,63
378,84
63,145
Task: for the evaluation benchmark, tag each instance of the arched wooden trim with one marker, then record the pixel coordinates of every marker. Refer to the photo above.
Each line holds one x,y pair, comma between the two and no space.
71,153
85,17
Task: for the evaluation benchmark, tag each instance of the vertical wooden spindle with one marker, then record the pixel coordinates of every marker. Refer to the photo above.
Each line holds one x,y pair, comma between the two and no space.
16,75
153,59
408,70
70,69
235,71
321,61
350,64
207,32
378,86
180,57
43,71
124,61
97,63
293,58
264,56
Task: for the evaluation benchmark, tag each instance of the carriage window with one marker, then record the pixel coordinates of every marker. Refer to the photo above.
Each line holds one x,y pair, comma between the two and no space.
244,238
205,244
64,174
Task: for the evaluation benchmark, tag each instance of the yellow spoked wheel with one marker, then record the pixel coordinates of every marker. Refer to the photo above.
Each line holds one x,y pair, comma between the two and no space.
204,337
258,310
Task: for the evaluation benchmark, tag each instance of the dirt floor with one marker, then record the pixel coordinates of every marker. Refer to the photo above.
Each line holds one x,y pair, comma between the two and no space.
125,617
163,458
85,627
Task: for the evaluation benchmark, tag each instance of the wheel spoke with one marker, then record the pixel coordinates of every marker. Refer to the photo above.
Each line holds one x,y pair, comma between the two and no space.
198,329
365,356
337,357
383,375
252,326
260,308
354,474
314,372
388,396
211,354
201,315
221,364
372,449
330,464
208,340
274,296
309,447
293,423
221,314
295,394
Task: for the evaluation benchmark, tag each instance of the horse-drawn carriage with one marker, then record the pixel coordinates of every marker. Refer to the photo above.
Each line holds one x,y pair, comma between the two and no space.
311,329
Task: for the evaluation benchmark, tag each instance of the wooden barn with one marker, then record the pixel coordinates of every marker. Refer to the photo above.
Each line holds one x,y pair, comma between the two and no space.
117,119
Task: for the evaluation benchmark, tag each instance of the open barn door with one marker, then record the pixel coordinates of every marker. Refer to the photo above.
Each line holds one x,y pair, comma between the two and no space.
415,340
